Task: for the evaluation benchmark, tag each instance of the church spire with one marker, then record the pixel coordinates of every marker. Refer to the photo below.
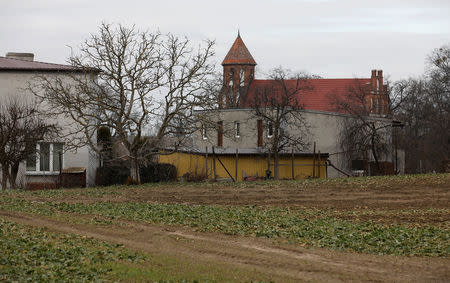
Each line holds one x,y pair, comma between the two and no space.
239,54
238,73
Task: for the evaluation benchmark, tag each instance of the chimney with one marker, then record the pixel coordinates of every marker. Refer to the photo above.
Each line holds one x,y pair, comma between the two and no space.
20,56
380,82
374,81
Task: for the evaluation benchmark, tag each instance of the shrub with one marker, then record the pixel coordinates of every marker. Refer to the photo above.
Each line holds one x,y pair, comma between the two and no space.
113,173
158,172
194,177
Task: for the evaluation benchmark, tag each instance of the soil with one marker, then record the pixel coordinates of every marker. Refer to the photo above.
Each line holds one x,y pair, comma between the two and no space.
283,261
345,203
404,197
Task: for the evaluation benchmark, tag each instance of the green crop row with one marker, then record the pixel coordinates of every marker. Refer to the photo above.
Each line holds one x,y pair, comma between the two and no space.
35,255
293,224
362,183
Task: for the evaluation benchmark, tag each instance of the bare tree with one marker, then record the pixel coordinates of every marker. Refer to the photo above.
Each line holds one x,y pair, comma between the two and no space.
366,129
148,83
21,127
279,105
438,91
426,115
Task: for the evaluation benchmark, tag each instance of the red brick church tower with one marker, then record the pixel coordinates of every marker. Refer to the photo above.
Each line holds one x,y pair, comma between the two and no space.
238,73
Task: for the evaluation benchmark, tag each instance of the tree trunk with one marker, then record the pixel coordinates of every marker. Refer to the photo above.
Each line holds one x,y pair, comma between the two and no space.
13,176
375,156
275,165
5,174
134,171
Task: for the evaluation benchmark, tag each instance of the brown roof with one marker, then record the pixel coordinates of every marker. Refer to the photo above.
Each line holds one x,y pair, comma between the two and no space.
239,54
24,65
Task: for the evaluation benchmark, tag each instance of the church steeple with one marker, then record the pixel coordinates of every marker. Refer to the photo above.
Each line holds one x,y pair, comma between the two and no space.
238,72
238,54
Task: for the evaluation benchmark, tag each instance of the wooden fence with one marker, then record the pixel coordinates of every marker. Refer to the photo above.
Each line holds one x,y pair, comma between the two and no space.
241,166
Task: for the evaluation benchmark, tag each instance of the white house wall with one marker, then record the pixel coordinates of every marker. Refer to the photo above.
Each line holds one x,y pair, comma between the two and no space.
14,84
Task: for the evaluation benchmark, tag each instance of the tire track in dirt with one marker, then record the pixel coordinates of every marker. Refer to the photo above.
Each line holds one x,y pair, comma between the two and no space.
287,261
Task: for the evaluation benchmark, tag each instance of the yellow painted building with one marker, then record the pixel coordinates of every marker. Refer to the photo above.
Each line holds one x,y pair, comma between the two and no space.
244,166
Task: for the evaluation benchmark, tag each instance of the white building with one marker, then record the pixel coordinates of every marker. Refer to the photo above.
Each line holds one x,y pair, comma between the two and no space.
17,71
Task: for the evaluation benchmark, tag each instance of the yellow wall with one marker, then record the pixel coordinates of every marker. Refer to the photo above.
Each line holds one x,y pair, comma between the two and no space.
250,165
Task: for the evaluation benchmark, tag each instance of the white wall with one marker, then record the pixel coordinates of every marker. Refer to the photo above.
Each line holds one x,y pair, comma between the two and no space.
324,129
14,84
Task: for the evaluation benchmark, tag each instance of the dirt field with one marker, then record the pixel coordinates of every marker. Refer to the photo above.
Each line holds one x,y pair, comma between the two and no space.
276,261
421,201
384,198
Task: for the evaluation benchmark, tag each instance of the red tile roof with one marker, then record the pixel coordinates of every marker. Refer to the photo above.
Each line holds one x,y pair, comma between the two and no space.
239,54
24,65
319,95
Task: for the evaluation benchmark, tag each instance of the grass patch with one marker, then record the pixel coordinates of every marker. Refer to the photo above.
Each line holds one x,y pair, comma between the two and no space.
293,224
29,254
33,254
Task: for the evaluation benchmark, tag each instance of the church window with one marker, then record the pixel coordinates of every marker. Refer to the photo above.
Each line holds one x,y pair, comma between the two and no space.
231,74
242,78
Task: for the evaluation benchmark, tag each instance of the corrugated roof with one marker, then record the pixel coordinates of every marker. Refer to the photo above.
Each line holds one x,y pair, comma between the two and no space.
24,65
241,151
239,54
320,94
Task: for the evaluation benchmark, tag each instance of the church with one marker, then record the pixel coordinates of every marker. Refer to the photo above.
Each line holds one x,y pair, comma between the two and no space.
239,128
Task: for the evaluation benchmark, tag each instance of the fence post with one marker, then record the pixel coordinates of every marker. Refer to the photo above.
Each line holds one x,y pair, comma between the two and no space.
319,165
237,161
314,161
206,162
214,163
60,169
292,163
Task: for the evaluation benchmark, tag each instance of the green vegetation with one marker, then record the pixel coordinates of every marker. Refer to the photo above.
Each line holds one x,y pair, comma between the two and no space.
311,227
359,183
30,254
33,254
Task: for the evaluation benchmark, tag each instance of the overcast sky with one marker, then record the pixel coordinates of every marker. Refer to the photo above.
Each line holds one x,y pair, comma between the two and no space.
330,38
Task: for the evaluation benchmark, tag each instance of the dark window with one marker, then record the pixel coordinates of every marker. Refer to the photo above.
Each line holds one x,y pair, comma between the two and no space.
269,129
220,133
44,153
237,129
260,133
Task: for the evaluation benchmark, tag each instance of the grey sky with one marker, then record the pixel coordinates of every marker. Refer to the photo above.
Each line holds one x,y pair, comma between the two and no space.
330,38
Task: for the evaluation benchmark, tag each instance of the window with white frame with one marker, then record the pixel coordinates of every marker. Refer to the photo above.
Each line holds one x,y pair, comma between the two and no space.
269,129
47,157
237,129
204,132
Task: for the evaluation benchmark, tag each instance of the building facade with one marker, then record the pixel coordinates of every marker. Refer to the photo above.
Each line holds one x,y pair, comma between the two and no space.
236,126
43,170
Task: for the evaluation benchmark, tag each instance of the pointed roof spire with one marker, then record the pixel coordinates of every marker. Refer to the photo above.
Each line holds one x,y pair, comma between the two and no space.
239,54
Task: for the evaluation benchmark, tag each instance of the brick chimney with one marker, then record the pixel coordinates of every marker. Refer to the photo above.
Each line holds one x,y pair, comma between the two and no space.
20,56
380,82
373,79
